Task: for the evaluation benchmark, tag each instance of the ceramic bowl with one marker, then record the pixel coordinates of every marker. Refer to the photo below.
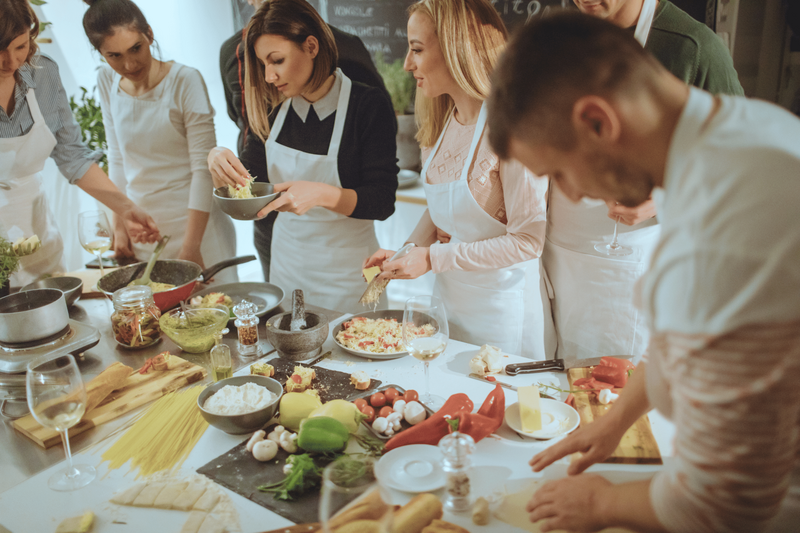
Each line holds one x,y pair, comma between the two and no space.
197,338
71,287
248,422
245,208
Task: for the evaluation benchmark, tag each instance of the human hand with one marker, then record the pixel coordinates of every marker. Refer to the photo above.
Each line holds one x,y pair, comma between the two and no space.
630,216
442,236
225,167
596,442
191,253
139,226
298,197
573,503
411,266
123,247
377,258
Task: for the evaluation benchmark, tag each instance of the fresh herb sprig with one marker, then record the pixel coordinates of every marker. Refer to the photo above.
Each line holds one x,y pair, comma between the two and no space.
565,391
304,475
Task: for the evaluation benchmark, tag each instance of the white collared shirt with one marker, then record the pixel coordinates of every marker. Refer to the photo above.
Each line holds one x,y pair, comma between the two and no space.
323,107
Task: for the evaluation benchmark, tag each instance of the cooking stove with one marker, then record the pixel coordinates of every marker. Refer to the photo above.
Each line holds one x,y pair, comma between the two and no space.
75,339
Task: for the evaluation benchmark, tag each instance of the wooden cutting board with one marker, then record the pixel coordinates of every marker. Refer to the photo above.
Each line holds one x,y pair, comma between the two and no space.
138,390
638,445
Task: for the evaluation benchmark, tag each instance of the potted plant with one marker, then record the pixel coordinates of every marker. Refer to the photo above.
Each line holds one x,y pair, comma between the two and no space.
402,89
89,116
10,254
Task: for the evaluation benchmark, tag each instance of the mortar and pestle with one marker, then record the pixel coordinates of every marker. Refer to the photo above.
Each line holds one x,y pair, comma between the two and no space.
297,335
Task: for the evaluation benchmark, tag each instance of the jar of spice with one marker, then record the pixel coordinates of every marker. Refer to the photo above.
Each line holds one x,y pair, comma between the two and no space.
135,317
247,327
456,448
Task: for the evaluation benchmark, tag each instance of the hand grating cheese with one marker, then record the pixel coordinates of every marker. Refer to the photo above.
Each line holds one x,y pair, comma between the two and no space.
529,411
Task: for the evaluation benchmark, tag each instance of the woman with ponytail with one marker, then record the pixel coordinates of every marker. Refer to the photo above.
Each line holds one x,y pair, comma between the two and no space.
159,126
36,123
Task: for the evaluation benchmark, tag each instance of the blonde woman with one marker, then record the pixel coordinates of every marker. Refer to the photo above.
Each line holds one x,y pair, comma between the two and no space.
330,147
488,216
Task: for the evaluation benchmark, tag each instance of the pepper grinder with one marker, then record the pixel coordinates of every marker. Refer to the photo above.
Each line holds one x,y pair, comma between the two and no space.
247,327
221,358
456,448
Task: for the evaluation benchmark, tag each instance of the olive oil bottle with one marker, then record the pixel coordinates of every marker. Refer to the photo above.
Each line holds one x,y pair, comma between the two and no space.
221,358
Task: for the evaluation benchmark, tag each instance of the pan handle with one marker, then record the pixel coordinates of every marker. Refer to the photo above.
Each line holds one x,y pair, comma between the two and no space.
208,273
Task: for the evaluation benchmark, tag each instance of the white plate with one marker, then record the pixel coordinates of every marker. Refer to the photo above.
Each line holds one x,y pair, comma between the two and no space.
388,313
558,419
413,468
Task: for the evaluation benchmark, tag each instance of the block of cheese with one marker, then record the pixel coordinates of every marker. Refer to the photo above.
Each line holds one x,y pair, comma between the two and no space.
371,272
529,411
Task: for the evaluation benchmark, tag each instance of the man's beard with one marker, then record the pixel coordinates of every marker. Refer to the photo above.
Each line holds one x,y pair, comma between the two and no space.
626,184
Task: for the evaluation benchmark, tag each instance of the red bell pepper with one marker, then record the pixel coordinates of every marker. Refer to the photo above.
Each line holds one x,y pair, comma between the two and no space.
617,362
435,427
613,370
488,419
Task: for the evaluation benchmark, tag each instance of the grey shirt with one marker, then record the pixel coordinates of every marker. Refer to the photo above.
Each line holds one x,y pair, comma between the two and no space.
70,154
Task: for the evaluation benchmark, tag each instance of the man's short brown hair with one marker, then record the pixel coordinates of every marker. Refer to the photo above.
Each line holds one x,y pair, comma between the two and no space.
551,63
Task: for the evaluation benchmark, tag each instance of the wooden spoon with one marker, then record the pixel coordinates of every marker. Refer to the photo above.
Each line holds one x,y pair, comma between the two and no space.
145,279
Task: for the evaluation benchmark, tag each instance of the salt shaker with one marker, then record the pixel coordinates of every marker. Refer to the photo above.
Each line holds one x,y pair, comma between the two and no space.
456,448
221,358
247,327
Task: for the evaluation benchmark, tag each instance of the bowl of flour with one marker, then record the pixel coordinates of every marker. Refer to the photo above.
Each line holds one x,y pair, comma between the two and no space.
241,404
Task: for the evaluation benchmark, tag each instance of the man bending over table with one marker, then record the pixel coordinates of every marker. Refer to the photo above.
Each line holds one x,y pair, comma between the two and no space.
578,99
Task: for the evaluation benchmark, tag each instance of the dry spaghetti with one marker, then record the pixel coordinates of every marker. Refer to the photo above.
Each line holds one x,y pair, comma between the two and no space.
163,438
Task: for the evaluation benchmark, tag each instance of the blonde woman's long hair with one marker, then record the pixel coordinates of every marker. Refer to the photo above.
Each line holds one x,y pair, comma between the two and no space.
294,20
472,37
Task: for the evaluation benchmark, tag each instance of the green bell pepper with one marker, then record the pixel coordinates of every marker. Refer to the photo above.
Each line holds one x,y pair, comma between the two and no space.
322,434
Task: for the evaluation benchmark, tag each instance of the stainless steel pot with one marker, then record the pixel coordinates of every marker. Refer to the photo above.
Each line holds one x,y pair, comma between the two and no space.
32,315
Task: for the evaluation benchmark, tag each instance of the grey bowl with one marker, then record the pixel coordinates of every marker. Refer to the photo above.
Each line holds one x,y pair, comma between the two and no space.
71,287
297,345
245,208
248,422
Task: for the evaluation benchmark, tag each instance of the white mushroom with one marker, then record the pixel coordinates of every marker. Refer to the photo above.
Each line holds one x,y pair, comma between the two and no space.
389,432
275,434
257,437
288,441
606,396
287,468
395,420
264,450
380,424
414,413
399,406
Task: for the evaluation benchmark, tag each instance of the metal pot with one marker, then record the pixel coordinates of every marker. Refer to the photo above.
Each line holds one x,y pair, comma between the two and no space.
182,274
32,315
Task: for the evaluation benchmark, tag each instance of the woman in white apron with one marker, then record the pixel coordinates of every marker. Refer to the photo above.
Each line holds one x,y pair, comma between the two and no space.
32,128
330,148
159,126
487,266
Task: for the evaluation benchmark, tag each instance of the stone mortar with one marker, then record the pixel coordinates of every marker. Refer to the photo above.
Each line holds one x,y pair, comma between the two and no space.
297,345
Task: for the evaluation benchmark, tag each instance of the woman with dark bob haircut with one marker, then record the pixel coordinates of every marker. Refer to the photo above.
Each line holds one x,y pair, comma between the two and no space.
331,151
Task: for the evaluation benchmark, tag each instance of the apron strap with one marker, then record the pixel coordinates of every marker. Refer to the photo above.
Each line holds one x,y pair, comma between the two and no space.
341,113
645,21
278,124
33,106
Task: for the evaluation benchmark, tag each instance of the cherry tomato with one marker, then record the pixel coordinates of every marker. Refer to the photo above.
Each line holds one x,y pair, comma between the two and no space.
391,393
399,397
370,412
411,396
297,379
377,400
360,403
385,411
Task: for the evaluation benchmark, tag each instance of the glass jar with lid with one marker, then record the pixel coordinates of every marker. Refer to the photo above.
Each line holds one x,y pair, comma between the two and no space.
135,317
456,449
247,327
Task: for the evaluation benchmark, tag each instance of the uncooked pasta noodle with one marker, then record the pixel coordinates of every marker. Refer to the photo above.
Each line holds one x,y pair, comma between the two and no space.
163,437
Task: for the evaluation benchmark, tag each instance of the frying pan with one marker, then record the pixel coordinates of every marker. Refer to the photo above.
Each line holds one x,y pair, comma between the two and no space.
183,274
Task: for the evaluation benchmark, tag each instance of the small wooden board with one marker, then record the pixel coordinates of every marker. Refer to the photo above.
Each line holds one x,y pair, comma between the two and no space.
137,391
638,445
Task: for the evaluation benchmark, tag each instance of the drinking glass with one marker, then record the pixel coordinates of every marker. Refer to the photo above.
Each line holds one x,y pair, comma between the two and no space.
349,483
614,248
95,234
421,314
57,400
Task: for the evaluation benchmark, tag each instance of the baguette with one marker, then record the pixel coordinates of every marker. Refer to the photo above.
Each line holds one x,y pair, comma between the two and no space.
440,526
370,507
110,379
416,514
360,526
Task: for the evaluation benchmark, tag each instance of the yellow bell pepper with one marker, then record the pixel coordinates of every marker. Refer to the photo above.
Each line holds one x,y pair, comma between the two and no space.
345,412
296,406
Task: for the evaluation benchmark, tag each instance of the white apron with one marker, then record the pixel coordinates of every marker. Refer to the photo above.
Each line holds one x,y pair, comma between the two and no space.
159,175
24,210
320,252
592,304
501,307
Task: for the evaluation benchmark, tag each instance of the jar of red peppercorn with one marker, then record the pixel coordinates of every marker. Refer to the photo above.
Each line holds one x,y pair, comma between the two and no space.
247,327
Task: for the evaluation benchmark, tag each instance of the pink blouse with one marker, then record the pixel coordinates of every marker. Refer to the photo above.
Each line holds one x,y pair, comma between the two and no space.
504,189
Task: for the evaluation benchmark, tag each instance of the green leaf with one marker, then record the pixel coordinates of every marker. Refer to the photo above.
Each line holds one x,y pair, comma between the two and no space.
453,423
37,2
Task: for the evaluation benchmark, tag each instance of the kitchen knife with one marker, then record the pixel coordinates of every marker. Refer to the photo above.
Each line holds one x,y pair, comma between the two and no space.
557,365
504,385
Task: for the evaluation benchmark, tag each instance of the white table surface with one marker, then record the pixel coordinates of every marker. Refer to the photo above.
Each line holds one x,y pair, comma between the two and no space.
499,461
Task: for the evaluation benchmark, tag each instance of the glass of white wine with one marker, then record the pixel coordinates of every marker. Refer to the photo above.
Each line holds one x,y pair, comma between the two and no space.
425,336
57,400
95,234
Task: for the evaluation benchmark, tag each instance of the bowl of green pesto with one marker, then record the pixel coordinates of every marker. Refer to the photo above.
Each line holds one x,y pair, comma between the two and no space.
193,330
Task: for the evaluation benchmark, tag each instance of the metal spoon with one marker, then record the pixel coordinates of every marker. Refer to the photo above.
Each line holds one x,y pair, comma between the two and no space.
145,279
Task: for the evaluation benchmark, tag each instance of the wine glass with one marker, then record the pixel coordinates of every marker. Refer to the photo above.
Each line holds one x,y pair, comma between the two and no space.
425,336
614,248
57,400
350,491
95,234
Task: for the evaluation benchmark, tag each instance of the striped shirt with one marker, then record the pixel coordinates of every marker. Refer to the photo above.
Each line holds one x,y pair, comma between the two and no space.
70,154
